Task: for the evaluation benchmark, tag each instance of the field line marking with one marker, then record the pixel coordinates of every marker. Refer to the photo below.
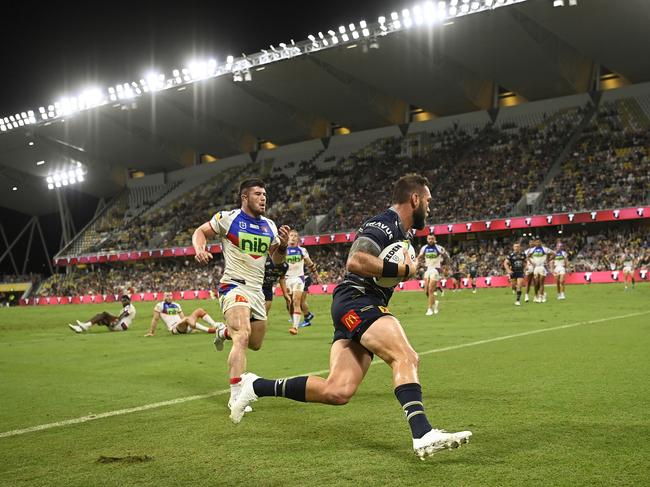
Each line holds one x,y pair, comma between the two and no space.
180,400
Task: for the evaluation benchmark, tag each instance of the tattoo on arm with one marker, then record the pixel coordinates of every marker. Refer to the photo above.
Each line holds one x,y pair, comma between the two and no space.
366,246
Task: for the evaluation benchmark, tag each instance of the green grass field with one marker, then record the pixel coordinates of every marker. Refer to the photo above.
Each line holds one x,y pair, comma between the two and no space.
566,406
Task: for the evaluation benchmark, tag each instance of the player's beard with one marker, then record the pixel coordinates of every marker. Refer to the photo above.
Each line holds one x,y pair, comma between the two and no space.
419,217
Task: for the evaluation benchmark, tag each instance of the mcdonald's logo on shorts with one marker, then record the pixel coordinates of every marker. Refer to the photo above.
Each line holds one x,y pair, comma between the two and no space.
240,299
351,320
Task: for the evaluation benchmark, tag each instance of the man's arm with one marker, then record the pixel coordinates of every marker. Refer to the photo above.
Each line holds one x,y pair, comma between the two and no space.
154,324
199,240
506,266
278,251
312,268
363,260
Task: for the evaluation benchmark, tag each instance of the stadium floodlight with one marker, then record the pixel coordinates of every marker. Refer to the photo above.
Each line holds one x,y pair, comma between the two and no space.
50,186
558,3
341,29
40,163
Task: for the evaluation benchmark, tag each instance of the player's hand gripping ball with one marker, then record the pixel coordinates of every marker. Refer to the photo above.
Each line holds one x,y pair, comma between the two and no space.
395,252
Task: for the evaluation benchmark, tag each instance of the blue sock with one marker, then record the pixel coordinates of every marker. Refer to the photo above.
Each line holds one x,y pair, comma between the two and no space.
410,397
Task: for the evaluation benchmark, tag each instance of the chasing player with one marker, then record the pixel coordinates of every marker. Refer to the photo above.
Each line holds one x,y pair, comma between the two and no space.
538,255
433,255
530,278
274,274
514,265
472,271
364,326
304,307
171,313
560,264
247,237
297,258
112,322
628,268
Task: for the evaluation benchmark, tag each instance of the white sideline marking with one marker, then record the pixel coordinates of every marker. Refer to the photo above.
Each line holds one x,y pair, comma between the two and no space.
180,400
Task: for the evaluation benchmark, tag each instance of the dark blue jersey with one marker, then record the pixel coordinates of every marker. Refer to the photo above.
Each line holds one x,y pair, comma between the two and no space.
273,272
382,230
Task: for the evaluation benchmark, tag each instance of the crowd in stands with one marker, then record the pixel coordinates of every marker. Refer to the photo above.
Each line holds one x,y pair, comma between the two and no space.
475,173
609,166
14,278
588,252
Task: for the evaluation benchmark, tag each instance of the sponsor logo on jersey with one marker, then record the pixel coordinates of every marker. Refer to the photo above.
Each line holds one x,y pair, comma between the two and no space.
384,310
254,245
381,226
351,320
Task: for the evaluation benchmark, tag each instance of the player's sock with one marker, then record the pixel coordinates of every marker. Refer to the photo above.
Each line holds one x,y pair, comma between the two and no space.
235,388
518,295
309,316
296,319
223,333
208,319
85,326
294,388
410,397
435,305
205,329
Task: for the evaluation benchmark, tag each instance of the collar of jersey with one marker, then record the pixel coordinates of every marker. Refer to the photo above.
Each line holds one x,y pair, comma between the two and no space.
246,216
399,221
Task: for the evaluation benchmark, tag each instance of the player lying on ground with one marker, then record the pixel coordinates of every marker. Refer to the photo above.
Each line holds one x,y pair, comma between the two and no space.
114,323
176,322
363,326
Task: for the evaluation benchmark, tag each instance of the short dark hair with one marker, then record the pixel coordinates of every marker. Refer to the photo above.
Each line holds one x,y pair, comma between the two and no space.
250,183
124,296
407,185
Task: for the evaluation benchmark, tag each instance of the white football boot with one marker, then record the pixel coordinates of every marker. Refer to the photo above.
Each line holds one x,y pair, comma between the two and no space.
429,312
75,328
437,440
246,396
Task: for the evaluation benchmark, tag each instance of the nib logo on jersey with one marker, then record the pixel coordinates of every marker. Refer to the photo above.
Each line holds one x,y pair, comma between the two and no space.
254,245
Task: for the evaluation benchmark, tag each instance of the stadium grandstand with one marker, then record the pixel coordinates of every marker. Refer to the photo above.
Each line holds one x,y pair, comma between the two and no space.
519,136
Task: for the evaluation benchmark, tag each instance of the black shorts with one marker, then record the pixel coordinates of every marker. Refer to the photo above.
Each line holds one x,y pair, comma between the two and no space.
308,282
268,293
353,312
473,275
517,275
457,276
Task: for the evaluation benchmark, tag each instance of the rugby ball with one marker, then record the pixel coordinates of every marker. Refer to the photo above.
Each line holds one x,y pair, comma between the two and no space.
395,253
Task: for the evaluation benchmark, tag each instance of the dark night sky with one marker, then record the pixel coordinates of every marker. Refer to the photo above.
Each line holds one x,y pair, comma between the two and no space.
53,49
57,48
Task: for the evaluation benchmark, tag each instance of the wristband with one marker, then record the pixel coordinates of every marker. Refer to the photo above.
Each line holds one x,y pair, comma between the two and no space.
390,269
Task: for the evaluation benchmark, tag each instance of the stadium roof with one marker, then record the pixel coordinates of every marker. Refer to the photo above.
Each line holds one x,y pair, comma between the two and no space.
530,48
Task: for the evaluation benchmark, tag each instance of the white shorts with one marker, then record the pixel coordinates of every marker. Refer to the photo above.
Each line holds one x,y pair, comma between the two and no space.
559,271
432,274
119,326
239,295
627,269
529,269
539,270
296,284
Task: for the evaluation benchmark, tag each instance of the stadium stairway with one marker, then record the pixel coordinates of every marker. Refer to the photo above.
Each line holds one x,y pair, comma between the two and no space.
521,207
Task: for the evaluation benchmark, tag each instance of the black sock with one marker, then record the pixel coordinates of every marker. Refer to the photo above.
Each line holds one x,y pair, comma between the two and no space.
473,285
410,397
294,388
519,295
309,316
